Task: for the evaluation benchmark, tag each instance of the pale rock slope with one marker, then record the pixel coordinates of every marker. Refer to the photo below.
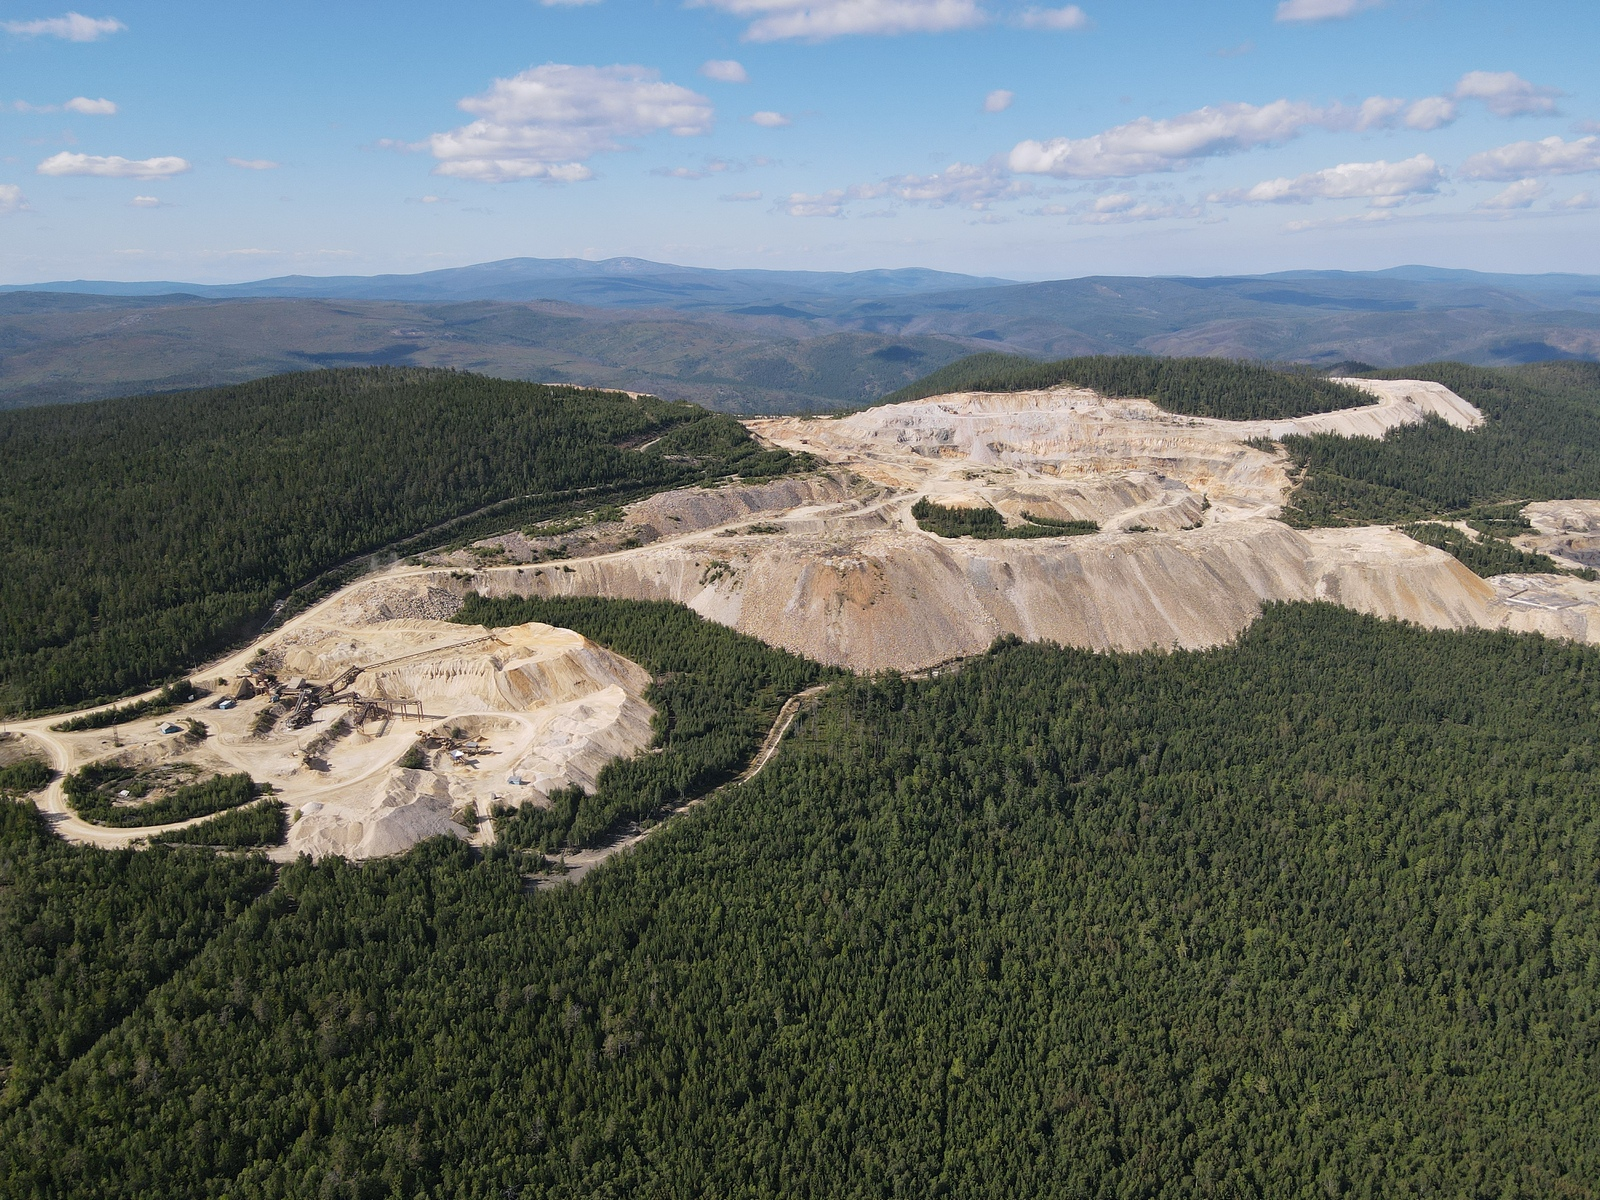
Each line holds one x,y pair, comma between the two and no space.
1567,530
1400,402
544,709
1189,550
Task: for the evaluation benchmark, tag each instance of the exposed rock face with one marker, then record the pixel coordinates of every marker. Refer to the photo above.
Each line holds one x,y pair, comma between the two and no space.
1400,402
1065,452
689,510
1566,530
536,709
906,600
455,669
1188,553
1553,517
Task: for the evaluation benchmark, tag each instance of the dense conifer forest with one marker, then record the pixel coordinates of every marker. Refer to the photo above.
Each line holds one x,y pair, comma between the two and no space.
1231,389
93,793
91,935
141,535
261,824
1540,441
988,524
1486,555
25,775
1310,915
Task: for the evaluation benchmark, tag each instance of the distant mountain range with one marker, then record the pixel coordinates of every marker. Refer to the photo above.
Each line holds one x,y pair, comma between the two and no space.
609,283
752,340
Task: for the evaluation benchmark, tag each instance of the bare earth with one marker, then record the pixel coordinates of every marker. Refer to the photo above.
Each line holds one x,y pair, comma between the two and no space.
834,567
542,708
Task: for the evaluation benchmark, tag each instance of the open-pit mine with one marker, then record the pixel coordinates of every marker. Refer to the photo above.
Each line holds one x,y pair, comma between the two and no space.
342,708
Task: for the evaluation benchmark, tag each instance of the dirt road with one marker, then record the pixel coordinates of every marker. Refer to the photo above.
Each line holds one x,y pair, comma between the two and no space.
579,863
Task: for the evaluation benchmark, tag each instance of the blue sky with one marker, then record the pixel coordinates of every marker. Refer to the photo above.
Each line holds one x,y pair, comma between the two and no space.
212,142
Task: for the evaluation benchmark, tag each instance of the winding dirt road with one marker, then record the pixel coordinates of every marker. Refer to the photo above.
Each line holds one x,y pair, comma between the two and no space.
575,865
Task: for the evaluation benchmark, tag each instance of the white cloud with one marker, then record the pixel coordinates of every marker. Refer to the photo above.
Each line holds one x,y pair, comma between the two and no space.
1323,10
1430,113
821,204
741,197
1370,217
1581,200
1120,208
770,120
1525,160
1378,112
91,108
961,184
819,20
724,70
144,202
253,164
547,121
1507,94
1117,210
1504,93
1521,194
1116,202
1383,183
1070,17
78,104
113,166
715,166
11,199
998,100
74,27
1147,146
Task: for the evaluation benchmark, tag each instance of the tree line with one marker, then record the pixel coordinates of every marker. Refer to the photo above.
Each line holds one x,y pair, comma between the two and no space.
1231,389
988,524
1540,441
142,535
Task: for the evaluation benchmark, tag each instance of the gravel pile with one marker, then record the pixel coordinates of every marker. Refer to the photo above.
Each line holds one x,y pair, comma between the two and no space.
437,604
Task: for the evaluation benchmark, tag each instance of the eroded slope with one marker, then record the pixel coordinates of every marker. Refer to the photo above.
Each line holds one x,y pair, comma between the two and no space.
1188,551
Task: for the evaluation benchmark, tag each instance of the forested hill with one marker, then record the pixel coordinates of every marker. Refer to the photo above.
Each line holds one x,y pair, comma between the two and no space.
1540,440
1310,915
141,535
1230,389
